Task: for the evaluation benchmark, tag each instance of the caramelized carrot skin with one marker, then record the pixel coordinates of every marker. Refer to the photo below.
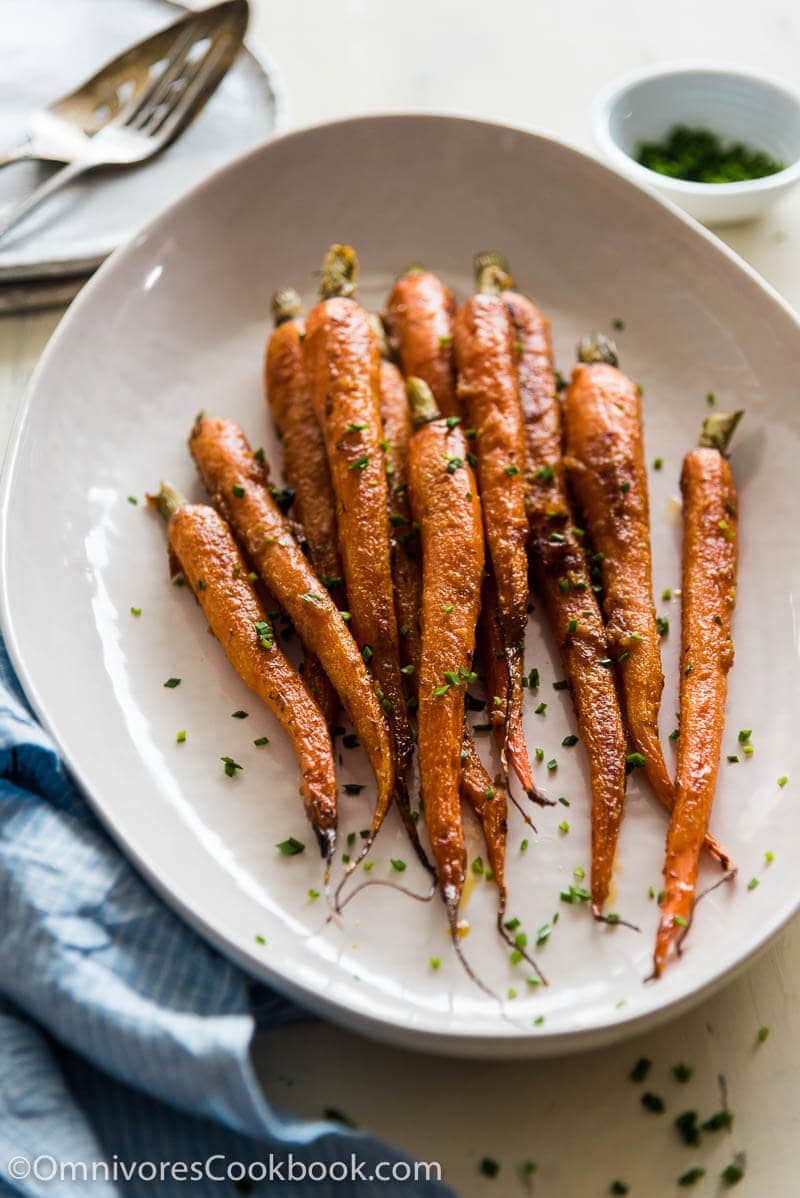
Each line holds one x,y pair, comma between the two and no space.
419,320
487,801
397,431
708,595
448,510
226,461
562,581
208,554
488,386
305,467
605,457
304,458
342,364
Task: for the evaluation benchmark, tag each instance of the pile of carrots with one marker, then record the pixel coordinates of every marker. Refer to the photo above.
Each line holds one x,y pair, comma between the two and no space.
436,480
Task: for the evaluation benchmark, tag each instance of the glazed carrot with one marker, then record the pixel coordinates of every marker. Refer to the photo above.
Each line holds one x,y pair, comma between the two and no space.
489,388
238,483
342,364
446,506
419,320
305,465
605,461
406,572
215,570
487,800
708,594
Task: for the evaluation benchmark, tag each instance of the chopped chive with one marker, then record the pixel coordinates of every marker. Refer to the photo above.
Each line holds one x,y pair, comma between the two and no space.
360,463
678,921
687,1127
313,895
259,939
136,611
290,847
572,625
563,826
356,427
784,778
540,709
454,464
691,1176
398,864
512,470
260,741
434,962
674,734
523,846
751,885
569,741
561,685
682,1073
171,683
666,594
489,1167
625,487
238,490
653,1103
762,1034
552,764
640,1069
634,760
733,759
180,737
658,463
744,735
132,499
353,788
239,715
231,766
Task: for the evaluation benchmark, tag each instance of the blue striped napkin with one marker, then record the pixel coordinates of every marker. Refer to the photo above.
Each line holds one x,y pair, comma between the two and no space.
124,1038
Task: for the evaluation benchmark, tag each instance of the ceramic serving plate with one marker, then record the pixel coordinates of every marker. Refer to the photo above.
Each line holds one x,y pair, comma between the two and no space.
177,322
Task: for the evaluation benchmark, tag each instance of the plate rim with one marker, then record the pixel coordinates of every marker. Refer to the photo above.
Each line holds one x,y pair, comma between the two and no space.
479,1044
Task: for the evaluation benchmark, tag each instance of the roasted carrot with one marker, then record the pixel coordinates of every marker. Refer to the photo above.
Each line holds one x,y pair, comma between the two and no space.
708,595
305,466
487,800
446,506
304,459
397,429
419,320
237,481
488,385
561,575
342,364
212,565
605,461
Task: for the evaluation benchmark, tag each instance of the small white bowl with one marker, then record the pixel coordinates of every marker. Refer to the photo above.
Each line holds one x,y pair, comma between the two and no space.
736,104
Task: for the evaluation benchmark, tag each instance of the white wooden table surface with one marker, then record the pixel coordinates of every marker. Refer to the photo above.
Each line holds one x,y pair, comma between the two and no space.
580,1118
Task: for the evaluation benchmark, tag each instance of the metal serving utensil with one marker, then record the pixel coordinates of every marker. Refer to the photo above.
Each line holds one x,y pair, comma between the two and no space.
135,105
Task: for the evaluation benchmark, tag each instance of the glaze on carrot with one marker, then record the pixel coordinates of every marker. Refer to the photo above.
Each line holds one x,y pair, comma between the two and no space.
446,506
708,595
305,466
212,565
561,577
487,800
488,387
419,320
406,572
342,364
237,482
605,461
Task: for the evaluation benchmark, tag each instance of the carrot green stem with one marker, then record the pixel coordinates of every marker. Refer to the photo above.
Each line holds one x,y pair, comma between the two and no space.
596,347
286,304
339,272
421,401
718,429
492,275
168,500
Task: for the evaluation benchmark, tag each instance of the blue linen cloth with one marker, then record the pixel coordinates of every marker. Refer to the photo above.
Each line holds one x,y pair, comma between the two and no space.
123,1036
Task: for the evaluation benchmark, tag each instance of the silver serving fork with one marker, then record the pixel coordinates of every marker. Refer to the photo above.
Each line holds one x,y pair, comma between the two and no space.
135,105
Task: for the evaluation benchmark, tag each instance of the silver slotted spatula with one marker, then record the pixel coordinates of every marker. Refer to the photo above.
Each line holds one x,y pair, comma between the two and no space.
135,105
